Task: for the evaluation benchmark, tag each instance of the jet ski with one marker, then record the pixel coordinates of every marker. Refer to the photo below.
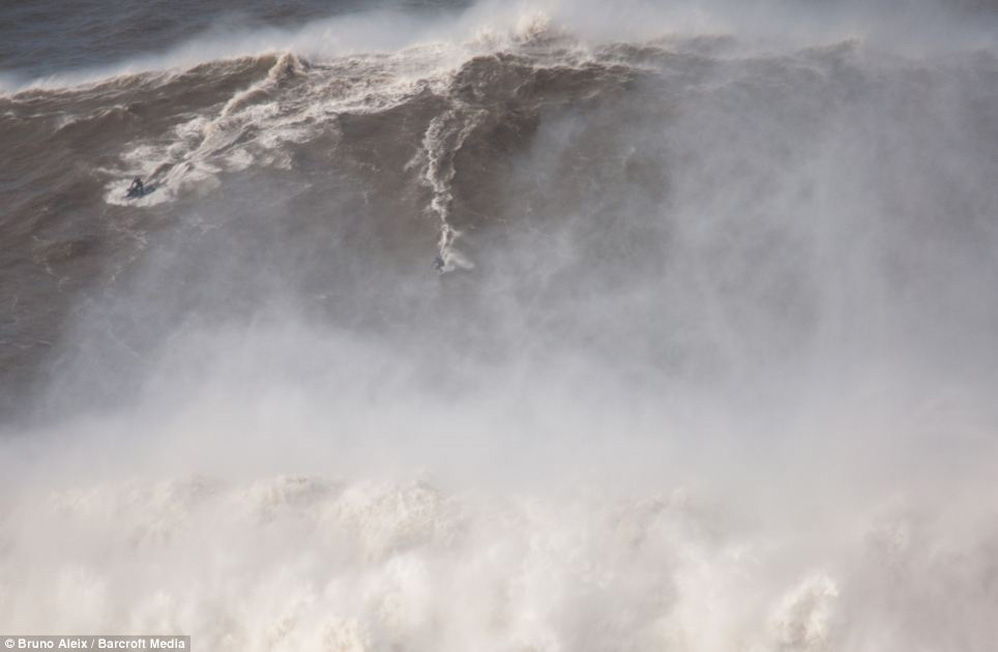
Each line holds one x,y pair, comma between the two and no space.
138,189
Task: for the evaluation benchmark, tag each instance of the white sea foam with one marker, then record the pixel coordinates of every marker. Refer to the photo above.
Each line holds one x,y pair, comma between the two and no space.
302,562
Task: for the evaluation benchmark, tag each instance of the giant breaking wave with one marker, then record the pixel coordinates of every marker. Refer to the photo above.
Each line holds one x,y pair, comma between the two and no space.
708,363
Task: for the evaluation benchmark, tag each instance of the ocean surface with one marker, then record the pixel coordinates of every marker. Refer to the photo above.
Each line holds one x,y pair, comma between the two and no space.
548,326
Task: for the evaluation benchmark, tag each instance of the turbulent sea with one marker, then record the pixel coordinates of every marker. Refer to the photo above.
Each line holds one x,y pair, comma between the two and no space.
544,326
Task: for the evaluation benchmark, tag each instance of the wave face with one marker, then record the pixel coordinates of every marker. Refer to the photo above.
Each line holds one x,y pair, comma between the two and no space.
533,330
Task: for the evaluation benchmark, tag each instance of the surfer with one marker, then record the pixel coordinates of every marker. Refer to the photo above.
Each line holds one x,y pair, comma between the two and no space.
439,264
137,189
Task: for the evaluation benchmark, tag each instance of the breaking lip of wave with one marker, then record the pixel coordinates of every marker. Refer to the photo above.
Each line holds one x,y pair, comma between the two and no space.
925,26
369,32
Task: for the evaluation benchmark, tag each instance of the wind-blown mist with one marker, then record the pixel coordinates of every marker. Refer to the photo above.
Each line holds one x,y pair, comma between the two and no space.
534,329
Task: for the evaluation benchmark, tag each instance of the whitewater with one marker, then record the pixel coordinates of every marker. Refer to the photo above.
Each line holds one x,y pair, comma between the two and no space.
548,326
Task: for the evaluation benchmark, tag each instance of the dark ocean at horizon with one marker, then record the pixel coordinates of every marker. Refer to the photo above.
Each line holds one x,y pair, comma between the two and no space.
46,37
